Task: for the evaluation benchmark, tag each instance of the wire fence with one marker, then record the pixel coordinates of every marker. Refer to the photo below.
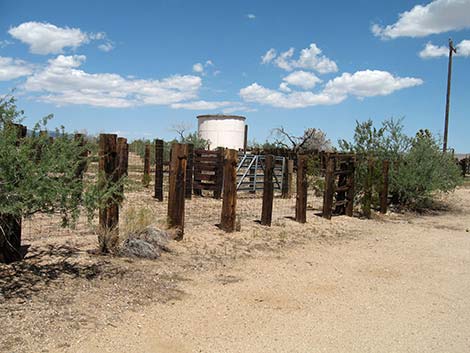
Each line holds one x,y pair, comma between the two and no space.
200,211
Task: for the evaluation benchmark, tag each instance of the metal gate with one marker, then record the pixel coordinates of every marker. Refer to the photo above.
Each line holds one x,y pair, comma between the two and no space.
250,172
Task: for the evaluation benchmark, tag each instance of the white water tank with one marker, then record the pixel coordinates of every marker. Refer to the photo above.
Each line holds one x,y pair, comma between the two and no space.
222,130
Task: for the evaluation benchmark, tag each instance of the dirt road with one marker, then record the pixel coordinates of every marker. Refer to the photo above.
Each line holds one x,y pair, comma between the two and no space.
396,286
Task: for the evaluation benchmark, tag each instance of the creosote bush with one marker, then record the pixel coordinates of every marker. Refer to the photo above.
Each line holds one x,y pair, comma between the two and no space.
418,168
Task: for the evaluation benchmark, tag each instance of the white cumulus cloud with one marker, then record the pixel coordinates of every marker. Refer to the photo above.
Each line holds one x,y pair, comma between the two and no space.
198,67
13,68
45,38
367,83
269,56
302,79
106,47
435,51
201,105
251,16
62,82
310,58
438,16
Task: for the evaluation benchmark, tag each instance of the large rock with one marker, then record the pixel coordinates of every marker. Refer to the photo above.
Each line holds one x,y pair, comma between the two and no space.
147,244
139,248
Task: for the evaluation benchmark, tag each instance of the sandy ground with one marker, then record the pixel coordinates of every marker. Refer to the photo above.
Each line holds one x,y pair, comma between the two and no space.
396,283
399,286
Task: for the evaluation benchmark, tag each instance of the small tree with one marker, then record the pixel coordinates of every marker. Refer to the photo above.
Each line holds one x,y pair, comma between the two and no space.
37,176
311,140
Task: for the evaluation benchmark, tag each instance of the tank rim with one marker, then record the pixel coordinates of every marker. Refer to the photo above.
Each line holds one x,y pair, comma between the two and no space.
221,116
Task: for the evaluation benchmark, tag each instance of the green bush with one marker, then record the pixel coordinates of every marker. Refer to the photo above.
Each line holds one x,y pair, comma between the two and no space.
418,168
423,171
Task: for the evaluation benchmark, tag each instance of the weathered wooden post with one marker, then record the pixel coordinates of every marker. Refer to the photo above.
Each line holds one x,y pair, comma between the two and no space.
367,199
301,198
10,224
329,187
245,139
108,175
351,191
229,202
159,170
178,162
146,177
219,174
268,191
123,156
384,190
122,150
189,172
286,191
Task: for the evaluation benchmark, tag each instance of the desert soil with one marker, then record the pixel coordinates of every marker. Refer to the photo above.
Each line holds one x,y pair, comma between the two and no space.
396,283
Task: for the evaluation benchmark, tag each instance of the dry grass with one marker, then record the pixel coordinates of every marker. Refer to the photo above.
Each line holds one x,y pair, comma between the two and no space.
61,287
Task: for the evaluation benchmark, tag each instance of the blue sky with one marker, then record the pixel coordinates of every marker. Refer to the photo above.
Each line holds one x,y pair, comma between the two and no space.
138,68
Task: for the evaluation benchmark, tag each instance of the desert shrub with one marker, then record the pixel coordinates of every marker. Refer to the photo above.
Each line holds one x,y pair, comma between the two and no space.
423,171
40,176
417,166
369,142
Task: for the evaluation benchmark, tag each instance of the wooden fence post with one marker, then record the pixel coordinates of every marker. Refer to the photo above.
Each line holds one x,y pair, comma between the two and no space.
11,225
123,156
229,202
219,173
351,191
329,187
301,198
367,199
179,158
287,178
159,170
108,173
384,190
189,172
268,191
146,177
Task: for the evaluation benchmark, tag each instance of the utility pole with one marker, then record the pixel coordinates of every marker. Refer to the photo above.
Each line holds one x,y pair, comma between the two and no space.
449,78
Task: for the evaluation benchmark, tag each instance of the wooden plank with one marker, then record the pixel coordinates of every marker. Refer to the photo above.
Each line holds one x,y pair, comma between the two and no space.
210,168
206,177
159,170
229,203
301,198
268,192
189,172
146,176
202,186
205,152
329,187
340,204
122,150
206,159
351,191
176,194
367,199
287,179
384,189
108,175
